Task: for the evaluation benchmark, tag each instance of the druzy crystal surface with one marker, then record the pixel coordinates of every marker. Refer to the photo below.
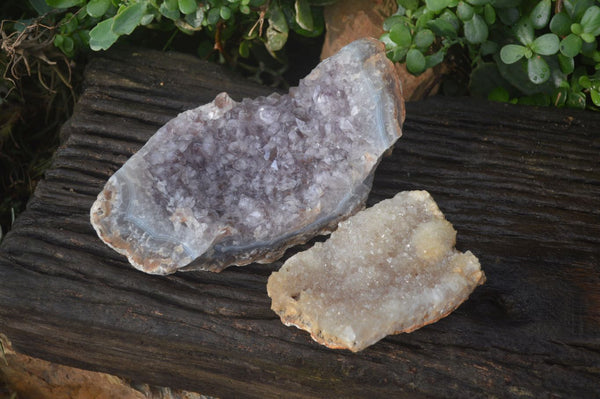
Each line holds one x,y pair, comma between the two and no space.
230,183
388,269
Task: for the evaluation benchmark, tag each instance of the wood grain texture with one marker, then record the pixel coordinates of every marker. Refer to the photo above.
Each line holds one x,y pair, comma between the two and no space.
520,184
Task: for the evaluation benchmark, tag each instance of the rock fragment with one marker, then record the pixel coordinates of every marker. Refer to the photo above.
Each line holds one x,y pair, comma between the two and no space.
232,183
388,269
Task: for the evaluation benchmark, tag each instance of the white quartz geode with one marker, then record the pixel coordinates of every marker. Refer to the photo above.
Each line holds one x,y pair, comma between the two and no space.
388,269
232,183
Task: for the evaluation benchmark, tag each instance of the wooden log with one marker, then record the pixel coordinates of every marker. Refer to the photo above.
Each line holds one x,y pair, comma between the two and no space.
520,184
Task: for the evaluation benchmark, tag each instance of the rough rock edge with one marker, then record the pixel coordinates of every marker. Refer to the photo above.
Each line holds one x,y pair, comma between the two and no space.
294,316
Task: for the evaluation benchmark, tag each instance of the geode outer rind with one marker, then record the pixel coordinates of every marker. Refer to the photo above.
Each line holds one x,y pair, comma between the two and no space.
232,183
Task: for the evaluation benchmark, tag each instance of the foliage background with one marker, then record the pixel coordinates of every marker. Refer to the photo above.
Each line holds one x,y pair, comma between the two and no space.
539,52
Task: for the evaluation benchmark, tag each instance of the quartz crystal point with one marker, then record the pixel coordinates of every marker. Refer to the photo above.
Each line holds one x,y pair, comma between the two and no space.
230,183
388,269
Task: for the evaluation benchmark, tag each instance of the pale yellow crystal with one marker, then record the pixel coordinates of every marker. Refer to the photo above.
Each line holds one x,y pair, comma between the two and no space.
433,239
391,268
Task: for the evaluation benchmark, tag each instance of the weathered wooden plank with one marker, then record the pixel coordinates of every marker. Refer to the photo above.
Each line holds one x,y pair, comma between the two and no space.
520,184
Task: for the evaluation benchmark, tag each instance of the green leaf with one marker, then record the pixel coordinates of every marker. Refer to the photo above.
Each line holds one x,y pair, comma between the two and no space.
244,49
540,15
58,40
499,94
97,8
393,52
415,61
588,37
508,16
516,74
171,14
84,38
423,39
464,11
489,14
389,43
585,82
588,49
434,59
128,19
424,19
577,28
393,20
187,6
102,36
409,4
400,34
398,54
277,19
148,18
591,21
277,32
524,31
476,30
478,2
67,45
567,64
437,5
451,17
63,3
570,46
214,14
195,19
275,39
304,14
171,5
547,44
443,28
569,6
511,53
68,24
559,97
318,24
576,100
579,8
560,24
538,70
595,94
225,12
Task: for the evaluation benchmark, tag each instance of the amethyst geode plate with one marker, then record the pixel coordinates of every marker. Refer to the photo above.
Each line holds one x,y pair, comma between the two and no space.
230,183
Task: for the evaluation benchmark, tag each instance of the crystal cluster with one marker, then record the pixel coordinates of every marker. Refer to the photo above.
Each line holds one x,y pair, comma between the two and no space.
232,183
388,269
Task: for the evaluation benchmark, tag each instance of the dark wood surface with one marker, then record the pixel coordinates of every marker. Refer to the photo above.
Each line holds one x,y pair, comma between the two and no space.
520,184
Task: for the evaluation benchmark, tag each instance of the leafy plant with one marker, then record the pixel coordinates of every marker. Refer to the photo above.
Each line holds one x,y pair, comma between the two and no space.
231,27
43,41
37,94
533,52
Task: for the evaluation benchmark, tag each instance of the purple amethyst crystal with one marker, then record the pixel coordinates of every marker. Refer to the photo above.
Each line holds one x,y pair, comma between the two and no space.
232,183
